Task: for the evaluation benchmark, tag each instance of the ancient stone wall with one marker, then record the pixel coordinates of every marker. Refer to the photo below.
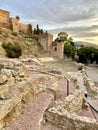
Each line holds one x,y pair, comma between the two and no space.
23,27
15,89
46,40
4,18
74,102
11,23
57,50
91,88
64,115
66,121
14,24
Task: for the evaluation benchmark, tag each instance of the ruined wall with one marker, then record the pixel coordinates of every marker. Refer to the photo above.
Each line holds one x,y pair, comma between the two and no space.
66,121
15,89
46,40
91,88
73,103
57,50
64,115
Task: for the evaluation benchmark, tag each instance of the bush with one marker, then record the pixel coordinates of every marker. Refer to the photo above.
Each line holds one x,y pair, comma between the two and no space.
13,50
14,34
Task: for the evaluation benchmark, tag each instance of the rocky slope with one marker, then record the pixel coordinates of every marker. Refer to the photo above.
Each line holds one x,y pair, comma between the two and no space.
29,46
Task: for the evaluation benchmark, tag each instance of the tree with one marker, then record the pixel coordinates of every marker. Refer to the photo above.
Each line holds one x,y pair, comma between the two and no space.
69,50
64,37
18,18
37,29
88,54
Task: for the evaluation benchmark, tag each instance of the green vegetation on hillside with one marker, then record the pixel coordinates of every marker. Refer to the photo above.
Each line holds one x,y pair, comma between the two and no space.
12,50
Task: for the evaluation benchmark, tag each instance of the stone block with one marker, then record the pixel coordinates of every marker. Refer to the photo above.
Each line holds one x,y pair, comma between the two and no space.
7,72
7,105
4,63
4,88
3,78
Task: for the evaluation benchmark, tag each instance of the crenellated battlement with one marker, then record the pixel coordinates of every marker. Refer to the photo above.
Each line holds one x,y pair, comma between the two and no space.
11,23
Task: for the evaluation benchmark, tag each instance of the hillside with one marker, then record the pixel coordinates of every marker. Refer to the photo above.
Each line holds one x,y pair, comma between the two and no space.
80,43
29,46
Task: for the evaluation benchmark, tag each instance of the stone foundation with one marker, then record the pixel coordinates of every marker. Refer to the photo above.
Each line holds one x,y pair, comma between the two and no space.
64,115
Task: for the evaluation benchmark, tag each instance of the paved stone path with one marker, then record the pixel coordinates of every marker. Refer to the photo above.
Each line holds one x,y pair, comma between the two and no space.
92,73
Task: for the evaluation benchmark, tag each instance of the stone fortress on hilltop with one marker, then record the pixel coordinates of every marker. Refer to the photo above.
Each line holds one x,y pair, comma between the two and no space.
55,48
11,23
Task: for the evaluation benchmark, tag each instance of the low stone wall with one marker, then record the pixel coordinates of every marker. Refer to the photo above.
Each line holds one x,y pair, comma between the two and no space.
91,88
74,102
66,121
10,73
64,115
17,95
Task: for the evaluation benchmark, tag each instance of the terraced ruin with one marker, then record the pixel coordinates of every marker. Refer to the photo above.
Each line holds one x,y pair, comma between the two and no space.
34,95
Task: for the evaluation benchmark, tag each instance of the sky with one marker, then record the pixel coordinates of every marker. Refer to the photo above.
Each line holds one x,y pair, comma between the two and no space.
79,18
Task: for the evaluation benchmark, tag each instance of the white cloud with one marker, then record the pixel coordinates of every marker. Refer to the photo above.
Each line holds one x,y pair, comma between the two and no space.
57,15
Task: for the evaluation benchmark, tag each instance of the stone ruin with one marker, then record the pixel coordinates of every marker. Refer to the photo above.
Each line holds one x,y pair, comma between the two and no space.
16,89
63,115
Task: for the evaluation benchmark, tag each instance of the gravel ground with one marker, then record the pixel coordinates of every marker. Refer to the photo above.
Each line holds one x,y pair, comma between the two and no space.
30,117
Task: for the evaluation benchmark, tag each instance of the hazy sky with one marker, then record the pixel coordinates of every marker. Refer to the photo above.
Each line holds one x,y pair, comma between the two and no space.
79,18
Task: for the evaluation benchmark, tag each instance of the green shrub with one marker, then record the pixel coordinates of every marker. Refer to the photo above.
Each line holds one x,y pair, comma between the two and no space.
13,50
14,34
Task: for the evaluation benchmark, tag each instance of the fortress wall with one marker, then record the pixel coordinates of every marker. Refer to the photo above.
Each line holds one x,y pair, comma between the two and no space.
23,27
4,13
57,51
46,40
15,24
4,18
11,23
50,39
